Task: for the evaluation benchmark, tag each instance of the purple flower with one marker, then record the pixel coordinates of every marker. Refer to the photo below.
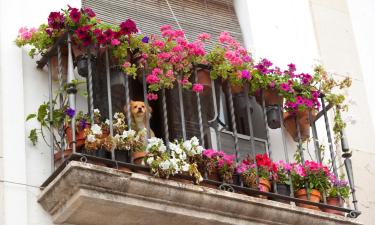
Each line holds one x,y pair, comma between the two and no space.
145,39
89,12
82,123
69,112
266,63
292,67
128,27
56,20
75,15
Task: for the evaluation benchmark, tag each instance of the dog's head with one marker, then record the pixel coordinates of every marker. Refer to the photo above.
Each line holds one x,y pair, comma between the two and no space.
138,109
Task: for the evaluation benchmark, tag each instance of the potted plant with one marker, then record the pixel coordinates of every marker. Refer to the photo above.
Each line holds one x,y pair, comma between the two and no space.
301,94
248,171
337,194
161,161
230,61
219,165
192,155
315,176
281,178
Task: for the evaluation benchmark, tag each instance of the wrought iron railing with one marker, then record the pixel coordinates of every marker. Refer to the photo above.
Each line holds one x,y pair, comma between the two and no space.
215,123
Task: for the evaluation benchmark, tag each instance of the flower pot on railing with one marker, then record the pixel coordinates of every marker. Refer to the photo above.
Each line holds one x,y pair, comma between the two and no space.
335,201
138,157
282,189
80,136
271,97
264,186
82,64
303,121
314,197
122,156
203,77
273,116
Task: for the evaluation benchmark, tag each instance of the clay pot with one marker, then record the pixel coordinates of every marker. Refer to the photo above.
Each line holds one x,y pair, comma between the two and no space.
271,97
335,201
138,157
214,176
303,121
314,197
203,77
265,186
80,136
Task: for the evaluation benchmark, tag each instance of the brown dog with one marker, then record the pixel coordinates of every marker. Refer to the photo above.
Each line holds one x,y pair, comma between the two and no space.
138,116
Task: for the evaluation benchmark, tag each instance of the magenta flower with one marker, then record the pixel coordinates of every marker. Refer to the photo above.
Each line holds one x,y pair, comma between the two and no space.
56,20
246,74
128,27
209,153
204,36
115,42
197,88
126,65
89,12
75,15
285,87
165,27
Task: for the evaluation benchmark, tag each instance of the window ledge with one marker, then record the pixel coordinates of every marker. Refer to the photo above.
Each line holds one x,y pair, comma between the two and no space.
88,194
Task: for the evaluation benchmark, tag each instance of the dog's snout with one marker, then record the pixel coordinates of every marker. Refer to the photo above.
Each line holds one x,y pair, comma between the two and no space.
139,109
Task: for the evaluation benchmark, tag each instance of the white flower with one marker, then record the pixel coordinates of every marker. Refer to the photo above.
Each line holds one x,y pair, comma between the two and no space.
150,160
162,148
165,165
175,148
199,150
107,121
187,145
116,116
91,138
96,129
185,167
194,141
131,133
96,111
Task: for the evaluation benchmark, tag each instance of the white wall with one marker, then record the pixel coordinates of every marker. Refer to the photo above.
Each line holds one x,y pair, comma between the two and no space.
22,89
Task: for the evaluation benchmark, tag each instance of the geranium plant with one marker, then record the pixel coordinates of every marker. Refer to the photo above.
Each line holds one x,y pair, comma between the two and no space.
282,172
230,61
219,162
315,175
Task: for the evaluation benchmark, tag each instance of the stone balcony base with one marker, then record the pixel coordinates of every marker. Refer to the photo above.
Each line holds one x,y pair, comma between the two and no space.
86,194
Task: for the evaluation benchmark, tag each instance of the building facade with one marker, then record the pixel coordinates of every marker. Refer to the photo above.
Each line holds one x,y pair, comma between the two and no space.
337,34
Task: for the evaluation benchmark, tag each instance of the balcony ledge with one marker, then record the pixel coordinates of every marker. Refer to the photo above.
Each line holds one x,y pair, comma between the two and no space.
88,194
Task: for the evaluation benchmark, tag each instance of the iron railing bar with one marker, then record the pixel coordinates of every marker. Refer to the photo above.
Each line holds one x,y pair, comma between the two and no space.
233,120
90,91
199,108
72,90
146,102
285,148
321,113
165,117
109,97
61,100
216,115
127,102
51,114
181,103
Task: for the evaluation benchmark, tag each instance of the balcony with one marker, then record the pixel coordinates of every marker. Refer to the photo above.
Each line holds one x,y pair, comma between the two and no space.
97,182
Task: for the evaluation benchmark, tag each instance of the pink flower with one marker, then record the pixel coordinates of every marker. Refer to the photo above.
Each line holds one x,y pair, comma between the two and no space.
115,42
164,56
151,96
246,74
152,79
209,153
300,170
75,15
158,43
165,27
197,88
225,37
204,36
126,65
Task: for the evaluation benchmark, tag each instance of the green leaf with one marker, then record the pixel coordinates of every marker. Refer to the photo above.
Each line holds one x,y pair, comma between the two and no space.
33,137
42,113
30,116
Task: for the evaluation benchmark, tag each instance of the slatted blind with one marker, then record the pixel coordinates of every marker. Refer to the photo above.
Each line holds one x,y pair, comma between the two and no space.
194,16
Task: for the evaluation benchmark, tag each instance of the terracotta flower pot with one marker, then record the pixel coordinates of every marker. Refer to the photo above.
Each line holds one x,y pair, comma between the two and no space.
271,97
264,186
138,157
80,136
314,197
335,201
203,77
303,121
